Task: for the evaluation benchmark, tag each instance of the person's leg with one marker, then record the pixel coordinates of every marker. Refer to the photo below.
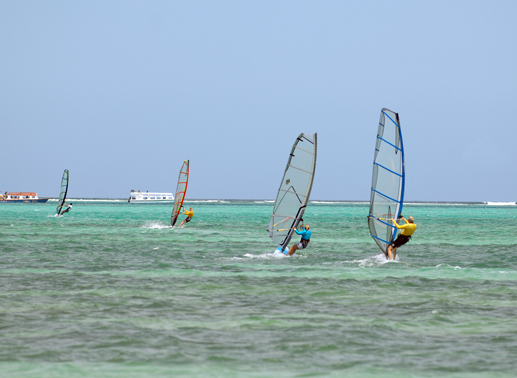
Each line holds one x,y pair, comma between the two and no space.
390,256
181,224
293,250
394,253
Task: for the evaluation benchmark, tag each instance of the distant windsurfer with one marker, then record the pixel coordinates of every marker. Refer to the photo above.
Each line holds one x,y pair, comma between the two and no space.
306,238
403,238
67,209
189,215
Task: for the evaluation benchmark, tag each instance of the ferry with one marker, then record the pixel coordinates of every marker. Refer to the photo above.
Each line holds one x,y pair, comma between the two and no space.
149,197
22,197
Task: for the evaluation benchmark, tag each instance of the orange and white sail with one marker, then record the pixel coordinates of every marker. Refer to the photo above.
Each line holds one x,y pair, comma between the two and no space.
181,190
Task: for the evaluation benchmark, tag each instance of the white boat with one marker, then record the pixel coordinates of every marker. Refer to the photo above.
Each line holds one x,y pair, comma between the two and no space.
148,197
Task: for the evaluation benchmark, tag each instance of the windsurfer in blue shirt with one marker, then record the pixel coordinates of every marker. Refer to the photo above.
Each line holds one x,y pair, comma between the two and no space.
306,238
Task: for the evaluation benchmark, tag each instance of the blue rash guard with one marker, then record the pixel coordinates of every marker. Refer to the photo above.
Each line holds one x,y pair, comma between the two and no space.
306,234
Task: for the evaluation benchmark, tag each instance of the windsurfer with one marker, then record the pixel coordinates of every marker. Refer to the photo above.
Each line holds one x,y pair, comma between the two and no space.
67,209
189,215
306,238
403,238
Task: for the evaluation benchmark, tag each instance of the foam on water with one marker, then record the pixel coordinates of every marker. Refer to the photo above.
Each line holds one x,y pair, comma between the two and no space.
154,225
379,259
267,256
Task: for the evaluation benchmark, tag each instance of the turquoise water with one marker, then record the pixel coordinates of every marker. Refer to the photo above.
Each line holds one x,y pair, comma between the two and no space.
109,290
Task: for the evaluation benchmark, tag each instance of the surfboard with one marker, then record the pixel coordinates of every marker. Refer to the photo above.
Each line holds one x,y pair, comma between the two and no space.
295,189
388,180
181,190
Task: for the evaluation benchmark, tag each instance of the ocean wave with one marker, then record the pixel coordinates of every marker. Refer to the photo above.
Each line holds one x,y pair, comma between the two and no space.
89,200
447,266
323,202
341,202
208,201
444,203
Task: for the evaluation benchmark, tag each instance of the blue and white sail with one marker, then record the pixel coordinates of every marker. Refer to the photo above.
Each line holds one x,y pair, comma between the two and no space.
387,195
295,189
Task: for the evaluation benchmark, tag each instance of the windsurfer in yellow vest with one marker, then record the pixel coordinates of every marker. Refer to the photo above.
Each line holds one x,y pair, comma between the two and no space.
189,215
403,238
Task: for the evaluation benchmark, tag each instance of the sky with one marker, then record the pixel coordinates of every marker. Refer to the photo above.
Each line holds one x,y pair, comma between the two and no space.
121,92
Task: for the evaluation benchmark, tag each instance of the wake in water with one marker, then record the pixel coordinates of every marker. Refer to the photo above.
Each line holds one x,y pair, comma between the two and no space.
381,257
376,260
276,254
268,256
153,225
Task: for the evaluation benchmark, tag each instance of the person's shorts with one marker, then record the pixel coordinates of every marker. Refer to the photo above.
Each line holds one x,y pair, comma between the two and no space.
303,244
401,240
188,219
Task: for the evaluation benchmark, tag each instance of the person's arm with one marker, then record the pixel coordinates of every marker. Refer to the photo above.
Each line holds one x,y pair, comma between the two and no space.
302,232
400,227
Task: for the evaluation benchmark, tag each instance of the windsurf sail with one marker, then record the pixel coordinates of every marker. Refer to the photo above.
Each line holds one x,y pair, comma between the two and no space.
181,190
64,191
387,195
295,189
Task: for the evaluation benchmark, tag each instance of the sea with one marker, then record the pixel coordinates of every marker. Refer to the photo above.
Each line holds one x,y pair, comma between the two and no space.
111,290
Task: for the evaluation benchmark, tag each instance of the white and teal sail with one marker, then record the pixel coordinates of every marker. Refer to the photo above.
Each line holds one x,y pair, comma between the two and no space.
64,191
387,195
295,189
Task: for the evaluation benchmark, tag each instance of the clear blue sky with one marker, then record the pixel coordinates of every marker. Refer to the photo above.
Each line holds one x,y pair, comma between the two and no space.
121,92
